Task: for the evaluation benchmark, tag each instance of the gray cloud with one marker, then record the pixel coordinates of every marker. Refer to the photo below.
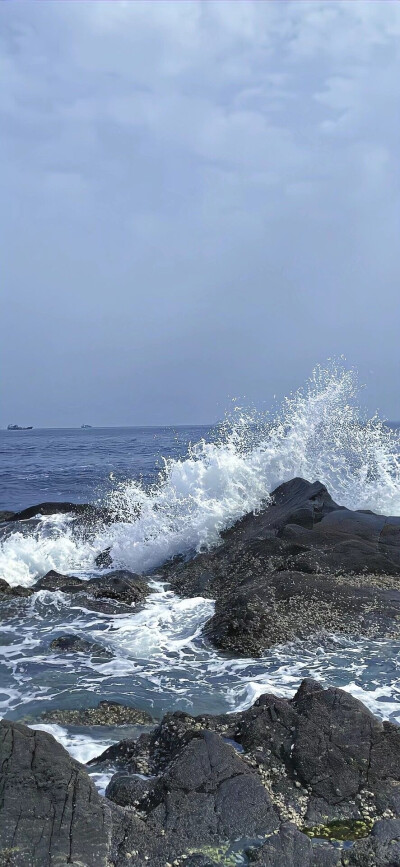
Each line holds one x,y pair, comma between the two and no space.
199,200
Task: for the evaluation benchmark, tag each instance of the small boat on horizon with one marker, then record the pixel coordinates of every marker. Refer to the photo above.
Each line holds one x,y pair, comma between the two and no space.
18,427
85,426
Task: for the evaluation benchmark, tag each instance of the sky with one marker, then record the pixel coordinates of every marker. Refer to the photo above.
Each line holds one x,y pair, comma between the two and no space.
199,201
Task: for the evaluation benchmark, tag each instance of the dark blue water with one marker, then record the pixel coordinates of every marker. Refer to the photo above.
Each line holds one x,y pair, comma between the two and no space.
75,464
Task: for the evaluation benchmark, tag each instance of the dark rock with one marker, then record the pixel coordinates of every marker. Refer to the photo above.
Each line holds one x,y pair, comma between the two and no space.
107,713
381,849
321,755
121,586
50,811
132,755
104,559
51,509
6,516
18,590
291,848
300,566
56,581
208,793
127,789
314,770
76,644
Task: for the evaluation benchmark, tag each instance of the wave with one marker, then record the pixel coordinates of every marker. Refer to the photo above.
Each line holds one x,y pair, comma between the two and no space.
319,432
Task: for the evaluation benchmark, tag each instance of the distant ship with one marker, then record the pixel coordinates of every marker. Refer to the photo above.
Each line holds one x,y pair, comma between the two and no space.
85,425
18,427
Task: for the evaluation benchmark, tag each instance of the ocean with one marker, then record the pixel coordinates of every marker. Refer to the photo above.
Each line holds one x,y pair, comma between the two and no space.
172,491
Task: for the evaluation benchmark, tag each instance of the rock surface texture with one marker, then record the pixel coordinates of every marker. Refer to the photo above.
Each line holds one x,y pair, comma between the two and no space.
286,782
300,566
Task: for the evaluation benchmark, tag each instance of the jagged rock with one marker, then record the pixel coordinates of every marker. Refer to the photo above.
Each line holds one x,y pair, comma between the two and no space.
300,566
50,813
120,585
208,793
320,759
131,755
322,755
107,713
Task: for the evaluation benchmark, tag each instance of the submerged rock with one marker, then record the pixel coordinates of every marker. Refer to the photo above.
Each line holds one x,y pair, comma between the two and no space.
300,566
107,713
76,644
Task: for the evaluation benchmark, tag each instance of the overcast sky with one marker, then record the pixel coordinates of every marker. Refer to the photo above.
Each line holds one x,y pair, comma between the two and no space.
198,201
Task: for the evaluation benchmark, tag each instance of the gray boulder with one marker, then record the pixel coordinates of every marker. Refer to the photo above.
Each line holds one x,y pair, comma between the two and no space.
50,811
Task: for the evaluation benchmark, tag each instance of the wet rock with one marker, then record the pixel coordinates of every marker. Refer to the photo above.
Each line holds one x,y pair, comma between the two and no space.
76,644
50,811
132,755
56,581
8,591
107,713
52,509
322,756
104,559
6,516
320,759
291,848
301,566
120,586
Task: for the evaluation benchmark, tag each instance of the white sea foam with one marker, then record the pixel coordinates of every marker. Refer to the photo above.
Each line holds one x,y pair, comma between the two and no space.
25,557
319,433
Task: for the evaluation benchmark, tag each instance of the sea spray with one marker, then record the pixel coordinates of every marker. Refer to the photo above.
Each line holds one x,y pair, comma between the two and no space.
319,432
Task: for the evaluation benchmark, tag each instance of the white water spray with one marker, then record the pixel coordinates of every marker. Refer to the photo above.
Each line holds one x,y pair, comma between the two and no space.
319,433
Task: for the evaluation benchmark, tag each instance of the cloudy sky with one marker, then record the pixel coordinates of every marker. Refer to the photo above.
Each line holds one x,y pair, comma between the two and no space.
199,200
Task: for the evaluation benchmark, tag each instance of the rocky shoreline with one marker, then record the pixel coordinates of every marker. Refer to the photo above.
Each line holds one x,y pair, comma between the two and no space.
311,781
